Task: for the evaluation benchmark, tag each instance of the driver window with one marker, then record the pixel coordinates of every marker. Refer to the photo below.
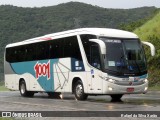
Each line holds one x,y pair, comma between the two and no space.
95,56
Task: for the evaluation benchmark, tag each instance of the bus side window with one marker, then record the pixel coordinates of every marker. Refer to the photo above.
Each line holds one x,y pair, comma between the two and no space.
20,54
71,48
42,51
50,47
68,46
86,44
15,54
55,48
30,52
95,56
10,54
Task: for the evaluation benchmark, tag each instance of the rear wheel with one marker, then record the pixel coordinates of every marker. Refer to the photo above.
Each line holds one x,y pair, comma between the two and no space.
79,91
116,97
23,90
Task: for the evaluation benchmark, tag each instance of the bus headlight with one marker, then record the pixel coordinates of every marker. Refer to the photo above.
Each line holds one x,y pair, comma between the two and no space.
111,80
145,81
110,89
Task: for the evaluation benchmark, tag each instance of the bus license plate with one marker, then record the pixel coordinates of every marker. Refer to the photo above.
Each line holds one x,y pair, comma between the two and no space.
130,89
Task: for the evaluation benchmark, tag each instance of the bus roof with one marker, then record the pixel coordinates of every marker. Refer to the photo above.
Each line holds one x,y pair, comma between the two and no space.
107,32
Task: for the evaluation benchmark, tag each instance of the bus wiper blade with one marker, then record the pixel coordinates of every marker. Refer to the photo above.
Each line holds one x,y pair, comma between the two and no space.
137,66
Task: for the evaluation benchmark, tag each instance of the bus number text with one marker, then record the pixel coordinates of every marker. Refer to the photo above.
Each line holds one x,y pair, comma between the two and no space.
42,70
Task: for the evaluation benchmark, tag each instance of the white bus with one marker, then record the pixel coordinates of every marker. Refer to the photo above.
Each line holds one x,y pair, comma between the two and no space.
86,61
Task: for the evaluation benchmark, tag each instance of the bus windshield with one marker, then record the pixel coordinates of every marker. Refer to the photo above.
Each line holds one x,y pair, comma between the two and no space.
124,57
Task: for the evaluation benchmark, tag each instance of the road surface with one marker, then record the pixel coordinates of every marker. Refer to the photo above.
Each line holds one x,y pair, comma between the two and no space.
12,101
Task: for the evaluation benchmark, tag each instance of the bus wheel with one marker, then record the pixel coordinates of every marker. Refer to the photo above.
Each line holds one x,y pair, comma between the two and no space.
79,91
116,97
23,90
54,95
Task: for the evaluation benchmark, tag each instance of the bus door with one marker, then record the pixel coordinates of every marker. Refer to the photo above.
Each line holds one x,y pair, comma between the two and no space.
96,82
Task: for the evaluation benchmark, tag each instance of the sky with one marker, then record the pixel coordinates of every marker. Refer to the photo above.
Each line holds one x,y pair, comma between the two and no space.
124,4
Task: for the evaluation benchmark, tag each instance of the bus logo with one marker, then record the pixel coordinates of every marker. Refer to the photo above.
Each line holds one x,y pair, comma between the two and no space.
42,70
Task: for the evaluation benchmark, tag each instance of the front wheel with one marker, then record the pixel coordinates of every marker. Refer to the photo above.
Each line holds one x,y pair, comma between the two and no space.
116,97
79,91
23,90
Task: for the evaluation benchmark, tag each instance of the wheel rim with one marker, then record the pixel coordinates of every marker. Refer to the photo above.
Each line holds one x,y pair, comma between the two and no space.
23,88
79,90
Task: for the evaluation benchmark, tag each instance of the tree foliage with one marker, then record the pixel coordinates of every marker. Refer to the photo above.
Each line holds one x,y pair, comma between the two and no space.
131,26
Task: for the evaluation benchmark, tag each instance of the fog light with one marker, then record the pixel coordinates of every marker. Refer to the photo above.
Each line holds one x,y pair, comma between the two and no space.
146,88
110,89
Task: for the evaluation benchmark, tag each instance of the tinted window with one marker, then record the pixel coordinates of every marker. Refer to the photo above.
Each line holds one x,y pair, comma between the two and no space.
30,52
56,48
59,48
95,56
71,48
42,51
87,45
15,54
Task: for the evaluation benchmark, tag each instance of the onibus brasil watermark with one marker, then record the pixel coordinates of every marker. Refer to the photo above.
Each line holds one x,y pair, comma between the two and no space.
126,114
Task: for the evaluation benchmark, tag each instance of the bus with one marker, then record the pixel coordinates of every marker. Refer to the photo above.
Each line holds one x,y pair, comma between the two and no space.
84,61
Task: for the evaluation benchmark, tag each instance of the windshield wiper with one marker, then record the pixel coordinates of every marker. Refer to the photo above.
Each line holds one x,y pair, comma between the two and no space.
137,66
131,65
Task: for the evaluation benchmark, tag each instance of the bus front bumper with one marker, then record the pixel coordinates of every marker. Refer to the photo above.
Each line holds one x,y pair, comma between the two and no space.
111,88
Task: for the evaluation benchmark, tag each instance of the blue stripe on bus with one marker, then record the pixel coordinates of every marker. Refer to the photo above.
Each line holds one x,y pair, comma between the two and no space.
143,76
28,67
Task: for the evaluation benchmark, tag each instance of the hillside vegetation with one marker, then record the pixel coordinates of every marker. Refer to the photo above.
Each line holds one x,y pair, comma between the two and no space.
150,31
150,28
17,24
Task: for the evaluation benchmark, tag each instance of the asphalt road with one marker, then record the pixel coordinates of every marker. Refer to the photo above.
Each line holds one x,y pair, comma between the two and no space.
12,101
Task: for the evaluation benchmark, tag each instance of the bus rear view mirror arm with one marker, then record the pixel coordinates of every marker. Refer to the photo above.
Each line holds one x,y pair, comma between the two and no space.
101,44
151,47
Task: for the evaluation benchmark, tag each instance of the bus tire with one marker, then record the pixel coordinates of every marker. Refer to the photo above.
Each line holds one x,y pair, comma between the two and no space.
116,97
79,91
23,90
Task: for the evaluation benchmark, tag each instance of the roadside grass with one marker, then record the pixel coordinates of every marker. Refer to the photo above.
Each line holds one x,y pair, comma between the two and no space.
2,88
6,118
150,28
154,88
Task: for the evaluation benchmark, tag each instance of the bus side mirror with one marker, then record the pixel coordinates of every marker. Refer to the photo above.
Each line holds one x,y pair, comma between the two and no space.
101,44
151,47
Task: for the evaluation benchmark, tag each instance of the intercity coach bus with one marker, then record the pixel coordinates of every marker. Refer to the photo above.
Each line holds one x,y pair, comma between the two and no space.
85,61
